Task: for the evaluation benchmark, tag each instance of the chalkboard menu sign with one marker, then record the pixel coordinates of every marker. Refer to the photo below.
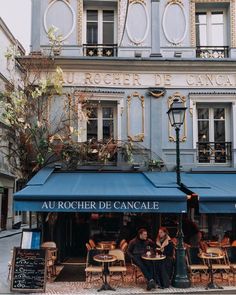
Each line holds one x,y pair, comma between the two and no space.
28,270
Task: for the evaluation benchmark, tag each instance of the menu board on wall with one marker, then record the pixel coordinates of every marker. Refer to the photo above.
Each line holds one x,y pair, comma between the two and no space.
28,270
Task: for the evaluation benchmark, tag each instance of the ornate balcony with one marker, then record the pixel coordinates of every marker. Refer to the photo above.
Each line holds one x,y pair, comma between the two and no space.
212,51
214,152
108,50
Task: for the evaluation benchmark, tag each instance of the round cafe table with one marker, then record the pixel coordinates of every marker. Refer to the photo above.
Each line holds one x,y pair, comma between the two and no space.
211,257
153,258
105,258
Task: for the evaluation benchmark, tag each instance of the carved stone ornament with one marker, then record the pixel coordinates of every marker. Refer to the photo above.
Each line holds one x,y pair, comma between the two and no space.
183,131
50,6
137,1
122,12
80,21
157,92
175,1
169,38
132,114
138,41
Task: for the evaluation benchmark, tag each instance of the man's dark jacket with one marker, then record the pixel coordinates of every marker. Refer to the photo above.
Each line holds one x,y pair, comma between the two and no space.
138,247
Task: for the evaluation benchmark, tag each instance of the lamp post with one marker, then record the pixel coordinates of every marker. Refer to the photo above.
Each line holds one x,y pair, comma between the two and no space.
176,114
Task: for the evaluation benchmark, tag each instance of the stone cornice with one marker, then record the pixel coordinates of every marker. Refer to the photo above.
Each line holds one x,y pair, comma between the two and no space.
131,64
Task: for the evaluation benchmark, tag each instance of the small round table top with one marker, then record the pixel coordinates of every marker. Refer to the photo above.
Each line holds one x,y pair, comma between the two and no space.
211,256
105,258
153,257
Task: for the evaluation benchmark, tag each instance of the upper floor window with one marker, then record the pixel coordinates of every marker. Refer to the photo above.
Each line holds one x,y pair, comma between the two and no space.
100,27
100,33
213,134
102,122
211,33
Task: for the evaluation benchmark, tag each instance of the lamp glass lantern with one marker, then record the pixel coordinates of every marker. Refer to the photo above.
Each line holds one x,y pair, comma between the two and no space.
176,113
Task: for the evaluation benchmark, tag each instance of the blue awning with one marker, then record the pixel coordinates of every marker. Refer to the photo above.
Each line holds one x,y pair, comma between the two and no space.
98,191
216,192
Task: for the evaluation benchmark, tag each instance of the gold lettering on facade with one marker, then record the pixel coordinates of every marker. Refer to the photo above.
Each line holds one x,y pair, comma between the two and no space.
199,81
136,80
157,80
88,78
190,79
108,79
210,80
97,79
113,79
163,80
126,79
228,81
167,80
219,80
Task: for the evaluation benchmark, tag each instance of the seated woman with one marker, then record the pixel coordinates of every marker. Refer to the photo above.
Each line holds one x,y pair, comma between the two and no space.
164,268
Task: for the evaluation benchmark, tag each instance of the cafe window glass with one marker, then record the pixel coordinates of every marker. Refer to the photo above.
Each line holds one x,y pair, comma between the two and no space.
100,27
213,134
101,123
210,28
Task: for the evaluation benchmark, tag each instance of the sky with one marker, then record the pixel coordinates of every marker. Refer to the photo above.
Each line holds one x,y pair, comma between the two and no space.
17,16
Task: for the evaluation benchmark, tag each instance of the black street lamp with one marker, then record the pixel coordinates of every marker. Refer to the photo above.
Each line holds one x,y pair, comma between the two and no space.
176,114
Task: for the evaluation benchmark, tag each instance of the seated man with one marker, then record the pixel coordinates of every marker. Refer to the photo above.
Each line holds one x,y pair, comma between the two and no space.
138,247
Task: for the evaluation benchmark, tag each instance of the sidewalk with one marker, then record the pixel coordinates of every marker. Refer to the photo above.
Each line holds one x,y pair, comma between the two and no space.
127,286
76,288
12,232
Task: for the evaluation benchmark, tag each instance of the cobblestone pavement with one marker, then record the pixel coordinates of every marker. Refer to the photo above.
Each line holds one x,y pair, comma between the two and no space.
76,288
128,287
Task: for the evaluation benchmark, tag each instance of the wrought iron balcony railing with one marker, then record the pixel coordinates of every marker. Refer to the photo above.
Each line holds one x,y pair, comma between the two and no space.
212,51
108,50
214,152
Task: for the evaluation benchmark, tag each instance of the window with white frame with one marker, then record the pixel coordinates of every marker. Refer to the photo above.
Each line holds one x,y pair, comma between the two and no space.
101,123
211,28
213,134
100,26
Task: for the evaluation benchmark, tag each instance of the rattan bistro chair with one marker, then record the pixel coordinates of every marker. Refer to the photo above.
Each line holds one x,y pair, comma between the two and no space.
51,249
92,244
88,247
231,256
92,267
119,266
121,243
220,265
196,266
